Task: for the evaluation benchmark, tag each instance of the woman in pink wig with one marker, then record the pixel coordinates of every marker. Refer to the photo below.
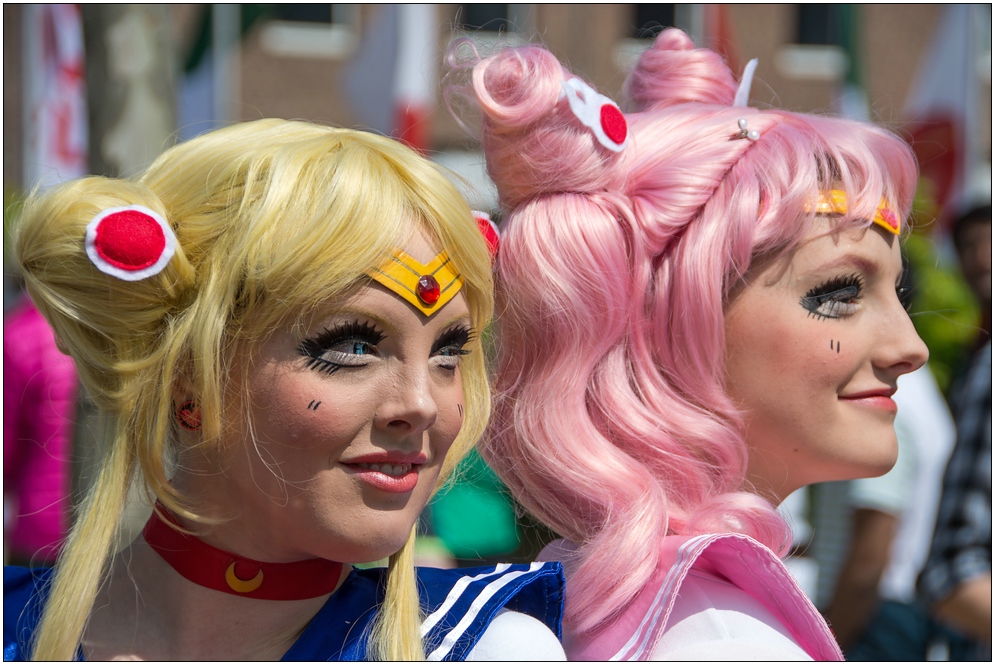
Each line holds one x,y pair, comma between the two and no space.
698,314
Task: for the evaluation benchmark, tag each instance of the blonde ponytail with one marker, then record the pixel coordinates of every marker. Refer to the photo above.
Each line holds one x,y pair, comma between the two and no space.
396,632
80,570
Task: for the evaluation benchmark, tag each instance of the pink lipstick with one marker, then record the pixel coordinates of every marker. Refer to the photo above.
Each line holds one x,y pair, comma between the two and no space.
874,399
392,472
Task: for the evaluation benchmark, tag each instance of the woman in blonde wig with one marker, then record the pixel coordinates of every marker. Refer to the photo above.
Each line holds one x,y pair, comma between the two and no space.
280,322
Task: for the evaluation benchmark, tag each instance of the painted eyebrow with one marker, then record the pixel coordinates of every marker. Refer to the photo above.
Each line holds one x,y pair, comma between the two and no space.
851,260
459,318
352,312
388,326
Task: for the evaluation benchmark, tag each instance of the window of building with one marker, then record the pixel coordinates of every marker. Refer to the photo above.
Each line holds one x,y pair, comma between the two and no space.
651,19
305,13
817,53
487,16
648,20
311,30
494,25
818,24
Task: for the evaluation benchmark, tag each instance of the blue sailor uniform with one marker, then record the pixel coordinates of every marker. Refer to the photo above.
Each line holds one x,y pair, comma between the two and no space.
458,606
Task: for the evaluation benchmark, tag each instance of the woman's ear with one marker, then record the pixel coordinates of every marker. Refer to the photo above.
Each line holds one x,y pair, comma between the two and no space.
183,390
185,404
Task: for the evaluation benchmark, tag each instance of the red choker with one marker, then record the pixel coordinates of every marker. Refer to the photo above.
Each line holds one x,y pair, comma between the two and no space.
222,571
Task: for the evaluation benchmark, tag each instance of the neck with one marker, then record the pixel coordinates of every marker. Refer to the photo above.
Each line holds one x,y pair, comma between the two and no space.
758,482
148,611
230,573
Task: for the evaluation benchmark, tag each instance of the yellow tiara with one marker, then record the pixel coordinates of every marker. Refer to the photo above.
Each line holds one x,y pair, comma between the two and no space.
833,202
427,287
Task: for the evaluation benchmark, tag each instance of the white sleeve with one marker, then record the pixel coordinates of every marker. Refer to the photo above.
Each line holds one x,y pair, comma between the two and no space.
733,649
713,620
516,636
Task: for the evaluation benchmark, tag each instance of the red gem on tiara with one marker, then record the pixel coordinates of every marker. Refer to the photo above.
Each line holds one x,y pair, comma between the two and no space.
613,123
428,290
130,240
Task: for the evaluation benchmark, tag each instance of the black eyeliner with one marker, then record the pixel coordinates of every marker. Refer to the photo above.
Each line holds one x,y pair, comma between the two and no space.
315,348
457,338
838,291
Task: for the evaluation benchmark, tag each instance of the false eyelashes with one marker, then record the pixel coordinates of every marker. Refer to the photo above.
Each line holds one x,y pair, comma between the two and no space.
342,346
835,299
451,346
351,344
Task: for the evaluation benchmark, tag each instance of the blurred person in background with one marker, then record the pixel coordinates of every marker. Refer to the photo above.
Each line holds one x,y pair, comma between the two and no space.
972,235
39,401
956,583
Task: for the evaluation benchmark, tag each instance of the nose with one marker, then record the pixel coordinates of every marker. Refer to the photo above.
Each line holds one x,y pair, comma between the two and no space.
901,349
408,406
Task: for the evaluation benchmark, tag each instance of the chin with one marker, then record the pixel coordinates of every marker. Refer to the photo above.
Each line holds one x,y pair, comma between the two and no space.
373,546
875,460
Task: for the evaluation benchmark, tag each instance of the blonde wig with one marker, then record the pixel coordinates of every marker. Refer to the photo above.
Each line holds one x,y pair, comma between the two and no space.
272,219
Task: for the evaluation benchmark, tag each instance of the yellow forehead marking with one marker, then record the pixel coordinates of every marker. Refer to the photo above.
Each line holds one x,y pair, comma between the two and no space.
426,286
834,202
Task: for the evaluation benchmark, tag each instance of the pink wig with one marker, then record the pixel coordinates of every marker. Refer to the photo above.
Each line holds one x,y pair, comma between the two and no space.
612,424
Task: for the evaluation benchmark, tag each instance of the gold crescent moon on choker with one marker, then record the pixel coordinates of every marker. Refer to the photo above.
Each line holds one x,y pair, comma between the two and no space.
242,586
212,568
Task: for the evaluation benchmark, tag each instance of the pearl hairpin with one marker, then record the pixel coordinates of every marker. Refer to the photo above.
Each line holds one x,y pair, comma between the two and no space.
745,133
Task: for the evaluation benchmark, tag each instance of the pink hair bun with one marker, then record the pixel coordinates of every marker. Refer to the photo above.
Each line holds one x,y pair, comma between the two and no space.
673,71
534,143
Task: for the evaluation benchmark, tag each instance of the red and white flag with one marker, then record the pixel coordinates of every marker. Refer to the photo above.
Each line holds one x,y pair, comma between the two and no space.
391,80
719,35
941,110
415,81
55,147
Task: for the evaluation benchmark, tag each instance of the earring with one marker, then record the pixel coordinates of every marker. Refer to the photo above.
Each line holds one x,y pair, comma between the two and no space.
188,415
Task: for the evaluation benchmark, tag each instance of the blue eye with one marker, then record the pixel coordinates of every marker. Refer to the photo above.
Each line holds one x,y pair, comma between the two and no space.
835,299
331,350
450,345
361,348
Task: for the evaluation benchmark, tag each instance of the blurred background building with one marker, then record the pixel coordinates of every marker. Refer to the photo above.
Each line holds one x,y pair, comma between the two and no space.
379,66
105,88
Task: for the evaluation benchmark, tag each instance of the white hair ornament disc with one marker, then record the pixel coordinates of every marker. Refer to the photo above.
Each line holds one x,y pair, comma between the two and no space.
130,242
599,113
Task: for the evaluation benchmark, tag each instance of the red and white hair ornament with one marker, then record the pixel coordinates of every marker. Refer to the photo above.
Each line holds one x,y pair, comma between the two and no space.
599,113
130,242
489,230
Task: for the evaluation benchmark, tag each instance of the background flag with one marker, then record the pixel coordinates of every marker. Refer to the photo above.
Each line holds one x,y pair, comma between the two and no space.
55,95
942,110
